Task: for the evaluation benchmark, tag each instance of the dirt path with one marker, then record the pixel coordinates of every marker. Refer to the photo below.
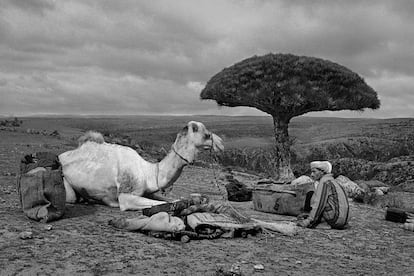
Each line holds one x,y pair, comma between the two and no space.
82,243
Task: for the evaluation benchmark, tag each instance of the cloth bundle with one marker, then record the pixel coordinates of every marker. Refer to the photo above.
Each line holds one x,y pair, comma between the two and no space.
161,221
40,186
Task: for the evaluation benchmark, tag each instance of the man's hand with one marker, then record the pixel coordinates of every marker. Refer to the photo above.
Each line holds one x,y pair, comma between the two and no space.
303,223
303,216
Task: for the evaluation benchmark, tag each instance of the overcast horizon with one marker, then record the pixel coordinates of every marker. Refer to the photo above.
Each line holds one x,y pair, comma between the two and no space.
130,57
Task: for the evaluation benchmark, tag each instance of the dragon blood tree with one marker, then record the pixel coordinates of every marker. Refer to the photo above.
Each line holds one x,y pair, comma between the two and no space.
285,86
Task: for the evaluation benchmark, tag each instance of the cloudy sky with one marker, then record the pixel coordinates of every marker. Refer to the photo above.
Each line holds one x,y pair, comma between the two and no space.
154,57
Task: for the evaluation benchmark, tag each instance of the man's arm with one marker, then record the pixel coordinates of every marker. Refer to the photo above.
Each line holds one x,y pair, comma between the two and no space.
318,205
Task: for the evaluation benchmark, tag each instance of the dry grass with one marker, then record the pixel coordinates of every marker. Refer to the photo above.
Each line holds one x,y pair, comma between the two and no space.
82,243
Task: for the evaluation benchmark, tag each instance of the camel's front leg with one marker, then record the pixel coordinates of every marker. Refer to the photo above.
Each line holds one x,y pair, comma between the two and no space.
134,202
70,193
159,197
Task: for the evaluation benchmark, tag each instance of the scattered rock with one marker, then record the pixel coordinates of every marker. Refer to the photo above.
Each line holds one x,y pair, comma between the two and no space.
378,192
352,189
48,227
25,235
235,269
304,179
185,239
258,267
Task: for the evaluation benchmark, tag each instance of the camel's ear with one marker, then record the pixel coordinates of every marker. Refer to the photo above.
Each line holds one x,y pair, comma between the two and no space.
184,131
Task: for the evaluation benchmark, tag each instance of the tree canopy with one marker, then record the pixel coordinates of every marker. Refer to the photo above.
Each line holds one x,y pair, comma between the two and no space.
286,85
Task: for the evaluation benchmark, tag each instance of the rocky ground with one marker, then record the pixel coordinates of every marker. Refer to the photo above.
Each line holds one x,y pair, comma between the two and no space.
82,243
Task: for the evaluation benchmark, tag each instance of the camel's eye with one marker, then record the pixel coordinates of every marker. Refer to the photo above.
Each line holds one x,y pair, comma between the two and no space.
195,127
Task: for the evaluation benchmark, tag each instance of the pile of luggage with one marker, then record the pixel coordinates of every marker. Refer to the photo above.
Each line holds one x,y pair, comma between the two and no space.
190,219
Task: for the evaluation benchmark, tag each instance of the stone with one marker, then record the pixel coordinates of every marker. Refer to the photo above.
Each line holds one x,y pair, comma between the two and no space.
258,267
25,235
352,189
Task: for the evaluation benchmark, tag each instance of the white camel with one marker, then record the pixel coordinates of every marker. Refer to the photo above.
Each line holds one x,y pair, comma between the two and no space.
119,177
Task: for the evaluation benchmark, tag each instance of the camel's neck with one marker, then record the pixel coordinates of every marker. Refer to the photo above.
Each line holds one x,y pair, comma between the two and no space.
170,168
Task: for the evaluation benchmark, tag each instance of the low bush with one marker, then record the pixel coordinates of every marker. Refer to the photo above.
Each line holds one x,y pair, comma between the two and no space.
394,172
11,123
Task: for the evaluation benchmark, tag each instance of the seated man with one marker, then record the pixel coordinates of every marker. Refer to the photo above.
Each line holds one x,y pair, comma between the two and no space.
329,202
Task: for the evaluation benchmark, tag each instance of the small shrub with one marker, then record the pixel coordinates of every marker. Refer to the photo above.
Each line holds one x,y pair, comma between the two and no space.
259,160
11,123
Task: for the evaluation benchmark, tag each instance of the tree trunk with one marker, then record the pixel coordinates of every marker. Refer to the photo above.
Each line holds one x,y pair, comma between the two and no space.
283,171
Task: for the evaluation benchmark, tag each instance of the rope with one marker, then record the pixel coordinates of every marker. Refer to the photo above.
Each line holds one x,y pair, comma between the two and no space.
163,191
239,216
179,155
236,214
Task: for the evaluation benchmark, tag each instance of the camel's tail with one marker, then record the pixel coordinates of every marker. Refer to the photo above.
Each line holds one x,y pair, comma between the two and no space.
92,136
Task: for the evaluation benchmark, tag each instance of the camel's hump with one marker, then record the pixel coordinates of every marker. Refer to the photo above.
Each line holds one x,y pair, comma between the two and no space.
92,136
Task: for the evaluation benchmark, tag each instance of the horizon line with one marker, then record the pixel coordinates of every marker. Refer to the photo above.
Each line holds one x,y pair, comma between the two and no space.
40,115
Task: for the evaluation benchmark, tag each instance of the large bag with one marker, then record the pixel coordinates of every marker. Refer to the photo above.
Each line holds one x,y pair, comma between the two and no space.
283,199
40,186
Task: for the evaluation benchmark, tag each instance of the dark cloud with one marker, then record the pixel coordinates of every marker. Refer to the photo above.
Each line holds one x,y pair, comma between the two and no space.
154,56
32,6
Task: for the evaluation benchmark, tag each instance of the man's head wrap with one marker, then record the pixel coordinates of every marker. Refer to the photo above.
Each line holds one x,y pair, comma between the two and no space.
324,166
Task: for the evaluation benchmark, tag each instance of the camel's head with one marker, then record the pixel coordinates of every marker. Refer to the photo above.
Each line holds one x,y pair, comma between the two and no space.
196,135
